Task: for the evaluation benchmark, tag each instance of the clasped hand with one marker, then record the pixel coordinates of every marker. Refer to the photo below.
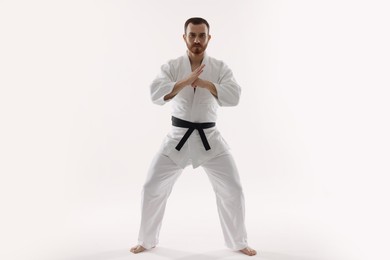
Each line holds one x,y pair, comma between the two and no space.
194,80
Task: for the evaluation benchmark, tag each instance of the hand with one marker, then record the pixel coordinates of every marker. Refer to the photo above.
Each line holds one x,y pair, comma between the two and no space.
198,83
189,80
205,84
194,75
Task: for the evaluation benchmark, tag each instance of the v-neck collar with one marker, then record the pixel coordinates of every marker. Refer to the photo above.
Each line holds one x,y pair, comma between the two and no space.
189,61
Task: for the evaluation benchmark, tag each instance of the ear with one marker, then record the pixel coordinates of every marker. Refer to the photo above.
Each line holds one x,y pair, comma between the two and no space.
184,37
209,37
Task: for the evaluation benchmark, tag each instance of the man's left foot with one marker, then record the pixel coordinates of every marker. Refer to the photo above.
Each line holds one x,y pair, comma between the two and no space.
248,251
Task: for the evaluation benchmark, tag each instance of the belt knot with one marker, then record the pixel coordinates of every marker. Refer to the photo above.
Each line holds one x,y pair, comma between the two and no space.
191,127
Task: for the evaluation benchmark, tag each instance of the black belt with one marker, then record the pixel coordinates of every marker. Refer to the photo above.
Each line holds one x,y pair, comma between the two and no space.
191,127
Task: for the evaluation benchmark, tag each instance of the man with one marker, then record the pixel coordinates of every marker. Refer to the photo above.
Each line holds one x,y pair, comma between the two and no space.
195,84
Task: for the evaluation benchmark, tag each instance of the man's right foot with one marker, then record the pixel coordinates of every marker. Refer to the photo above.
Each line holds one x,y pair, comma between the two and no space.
248,251
138,249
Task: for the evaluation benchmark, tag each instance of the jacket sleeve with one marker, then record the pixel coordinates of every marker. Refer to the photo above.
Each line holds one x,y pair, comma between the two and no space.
162,85
228,90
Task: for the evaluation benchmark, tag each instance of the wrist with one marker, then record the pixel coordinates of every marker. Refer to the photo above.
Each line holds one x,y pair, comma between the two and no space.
209,85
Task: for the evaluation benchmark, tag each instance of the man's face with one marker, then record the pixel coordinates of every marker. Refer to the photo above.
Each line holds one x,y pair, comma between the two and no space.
196,38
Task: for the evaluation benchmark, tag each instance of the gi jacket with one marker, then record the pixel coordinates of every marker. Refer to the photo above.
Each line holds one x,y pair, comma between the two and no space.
195,106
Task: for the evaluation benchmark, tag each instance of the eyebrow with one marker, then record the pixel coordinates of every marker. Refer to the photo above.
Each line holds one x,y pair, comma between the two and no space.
195,33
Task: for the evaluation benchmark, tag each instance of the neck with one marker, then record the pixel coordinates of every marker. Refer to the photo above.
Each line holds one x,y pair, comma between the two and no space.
195,58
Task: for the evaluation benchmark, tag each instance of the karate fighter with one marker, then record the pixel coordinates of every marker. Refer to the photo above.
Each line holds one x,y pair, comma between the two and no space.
196,85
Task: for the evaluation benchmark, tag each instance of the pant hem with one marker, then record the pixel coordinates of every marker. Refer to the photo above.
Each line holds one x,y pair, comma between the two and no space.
147,245
236,248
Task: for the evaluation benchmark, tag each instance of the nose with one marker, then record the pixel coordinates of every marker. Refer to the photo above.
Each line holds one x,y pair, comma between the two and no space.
197,39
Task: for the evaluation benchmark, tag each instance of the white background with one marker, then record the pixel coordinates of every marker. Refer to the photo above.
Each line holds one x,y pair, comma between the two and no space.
310,135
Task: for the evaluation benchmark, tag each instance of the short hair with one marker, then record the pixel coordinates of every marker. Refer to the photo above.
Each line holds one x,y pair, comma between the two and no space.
196,20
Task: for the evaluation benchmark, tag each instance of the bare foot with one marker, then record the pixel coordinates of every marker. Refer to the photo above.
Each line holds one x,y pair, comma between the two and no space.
248,251
138,249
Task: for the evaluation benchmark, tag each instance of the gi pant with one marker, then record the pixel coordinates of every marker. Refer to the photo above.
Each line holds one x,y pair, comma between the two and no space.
223,175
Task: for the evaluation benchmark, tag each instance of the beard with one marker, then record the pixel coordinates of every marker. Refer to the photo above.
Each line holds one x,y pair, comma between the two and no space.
197,48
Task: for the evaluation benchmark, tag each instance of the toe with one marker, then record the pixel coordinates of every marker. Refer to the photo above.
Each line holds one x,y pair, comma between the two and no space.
137,249
248,251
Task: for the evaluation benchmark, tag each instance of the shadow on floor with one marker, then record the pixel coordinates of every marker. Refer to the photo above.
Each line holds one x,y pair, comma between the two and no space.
184,255
173,254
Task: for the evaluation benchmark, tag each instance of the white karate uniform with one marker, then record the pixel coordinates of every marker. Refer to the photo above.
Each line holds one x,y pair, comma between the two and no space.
195,106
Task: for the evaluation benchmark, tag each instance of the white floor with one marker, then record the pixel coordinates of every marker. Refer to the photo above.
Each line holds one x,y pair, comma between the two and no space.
293,225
